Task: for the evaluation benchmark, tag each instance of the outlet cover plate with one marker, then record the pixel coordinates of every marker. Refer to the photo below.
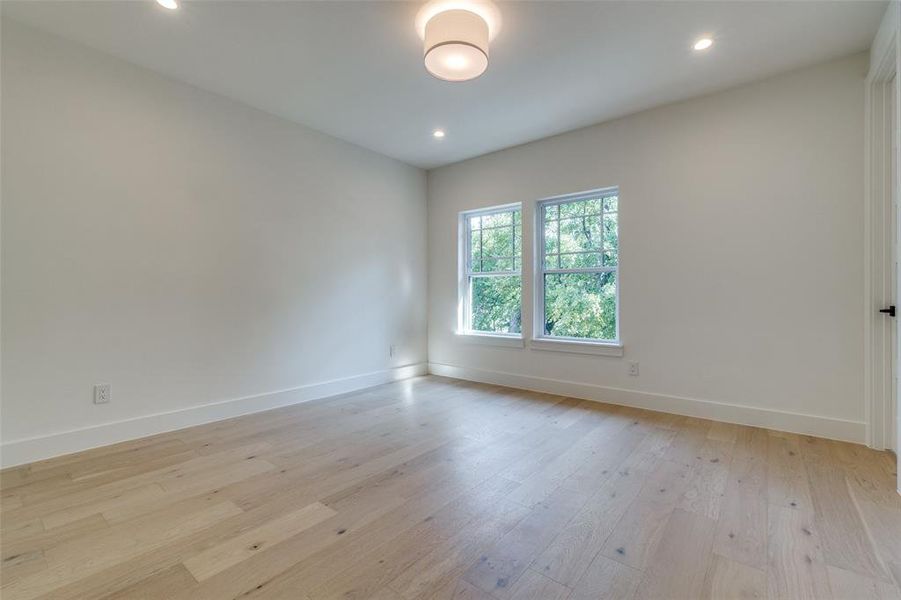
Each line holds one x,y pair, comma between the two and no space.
101,393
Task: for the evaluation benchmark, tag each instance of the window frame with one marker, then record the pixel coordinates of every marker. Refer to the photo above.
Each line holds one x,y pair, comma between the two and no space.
466,275
540,340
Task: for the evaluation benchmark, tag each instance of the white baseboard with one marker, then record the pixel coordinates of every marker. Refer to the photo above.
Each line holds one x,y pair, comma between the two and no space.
836,429
26,450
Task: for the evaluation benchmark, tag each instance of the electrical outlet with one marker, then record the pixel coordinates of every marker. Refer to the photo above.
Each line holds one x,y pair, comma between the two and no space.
101,393
392,350
633,369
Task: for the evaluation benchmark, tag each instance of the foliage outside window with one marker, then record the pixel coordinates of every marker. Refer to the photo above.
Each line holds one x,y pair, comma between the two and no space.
578,265
493,294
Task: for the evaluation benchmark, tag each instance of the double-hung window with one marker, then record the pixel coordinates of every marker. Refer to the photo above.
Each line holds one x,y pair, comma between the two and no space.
492,263
576,269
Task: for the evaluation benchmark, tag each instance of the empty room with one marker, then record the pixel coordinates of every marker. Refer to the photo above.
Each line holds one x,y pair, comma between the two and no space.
450,299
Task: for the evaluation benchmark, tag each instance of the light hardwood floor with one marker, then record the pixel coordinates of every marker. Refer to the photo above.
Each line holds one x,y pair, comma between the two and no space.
434,488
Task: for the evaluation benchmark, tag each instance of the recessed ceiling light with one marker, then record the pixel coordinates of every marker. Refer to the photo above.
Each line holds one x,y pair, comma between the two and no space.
703,43
170,4
438,133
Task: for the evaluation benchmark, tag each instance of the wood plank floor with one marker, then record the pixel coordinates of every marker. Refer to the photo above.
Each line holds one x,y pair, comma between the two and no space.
433,488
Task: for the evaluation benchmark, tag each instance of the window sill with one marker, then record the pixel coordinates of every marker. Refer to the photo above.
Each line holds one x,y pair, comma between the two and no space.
577,347
491,339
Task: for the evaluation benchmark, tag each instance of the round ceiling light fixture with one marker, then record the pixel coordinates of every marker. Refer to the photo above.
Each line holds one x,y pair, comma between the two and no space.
170,4
456,35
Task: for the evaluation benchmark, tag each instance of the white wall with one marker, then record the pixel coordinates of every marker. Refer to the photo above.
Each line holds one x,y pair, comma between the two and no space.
187,250
741,236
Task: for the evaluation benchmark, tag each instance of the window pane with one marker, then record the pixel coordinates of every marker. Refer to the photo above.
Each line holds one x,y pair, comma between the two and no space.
550,237
580,208
497,242
580,261
610,203
496,304
593,206
517,240
551,212
611,259
580,234
497,264
475,249
580,231
581,305
504,219
611,241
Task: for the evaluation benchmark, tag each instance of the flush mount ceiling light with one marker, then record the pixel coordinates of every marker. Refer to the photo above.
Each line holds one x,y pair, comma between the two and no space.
170,4
456,35
703,43
438,133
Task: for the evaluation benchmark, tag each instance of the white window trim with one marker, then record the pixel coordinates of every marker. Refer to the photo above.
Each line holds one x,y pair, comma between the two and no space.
576,346
464,329
505,340
540,341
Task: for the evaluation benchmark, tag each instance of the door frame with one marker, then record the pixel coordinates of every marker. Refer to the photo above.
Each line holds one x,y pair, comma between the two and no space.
881,132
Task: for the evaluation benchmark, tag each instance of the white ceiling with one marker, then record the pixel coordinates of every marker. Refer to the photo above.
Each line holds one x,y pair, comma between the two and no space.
354,69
